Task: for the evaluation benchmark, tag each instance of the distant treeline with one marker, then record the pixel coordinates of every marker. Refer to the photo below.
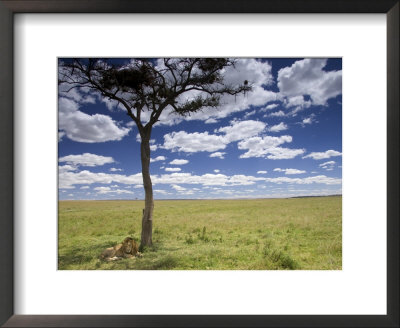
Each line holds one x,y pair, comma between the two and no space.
336,195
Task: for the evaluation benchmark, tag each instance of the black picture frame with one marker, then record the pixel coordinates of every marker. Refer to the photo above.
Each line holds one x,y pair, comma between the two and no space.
10,7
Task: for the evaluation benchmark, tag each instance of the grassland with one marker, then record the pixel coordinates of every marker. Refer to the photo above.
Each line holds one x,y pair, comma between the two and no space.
259,234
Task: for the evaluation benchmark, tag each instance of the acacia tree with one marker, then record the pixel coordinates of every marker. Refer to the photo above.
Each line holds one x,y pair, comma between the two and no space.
145,85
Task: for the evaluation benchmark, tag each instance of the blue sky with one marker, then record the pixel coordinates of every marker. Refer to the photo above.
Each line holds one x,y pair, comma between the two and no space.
282,139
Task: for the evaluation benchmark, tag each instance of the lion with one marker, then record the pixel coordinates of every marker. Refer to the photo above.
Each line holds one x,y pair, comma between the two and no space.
128,249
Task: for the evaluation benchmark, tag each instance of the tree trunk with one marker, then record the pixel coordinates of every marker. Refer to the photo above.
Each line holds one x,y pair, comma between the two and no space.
147,219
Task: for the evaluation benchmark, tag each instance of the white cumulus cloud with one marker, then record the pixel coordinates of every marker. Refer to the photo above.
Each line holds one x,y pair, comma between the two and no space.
108,190
284,153
279,127
178,188
307,77
289,171
320,179
323,155
269,107
172,169
277,114
329,166
328,163
179,162
158,158
66,168
61,134
203,141
82,127
68,180
86,159
193,142
161,191
218,154
239,130
268,147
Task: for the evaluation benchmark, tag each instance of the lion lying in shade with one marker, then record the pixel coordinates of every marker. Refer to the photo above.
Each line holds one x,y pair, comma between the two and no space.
128,249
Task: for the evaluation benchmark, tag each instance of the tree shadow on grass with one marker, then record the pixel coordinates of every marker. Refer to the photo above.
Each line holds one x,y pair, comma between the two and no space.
80,255
165,263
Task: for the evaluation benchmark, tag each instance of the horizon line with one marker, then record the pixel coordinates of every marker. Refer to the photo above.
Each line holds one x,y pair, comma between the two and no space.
243,198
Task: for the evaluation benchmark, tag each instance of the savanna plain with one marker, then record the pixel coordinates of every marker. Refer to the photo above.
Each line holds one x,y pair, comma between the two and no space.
256,234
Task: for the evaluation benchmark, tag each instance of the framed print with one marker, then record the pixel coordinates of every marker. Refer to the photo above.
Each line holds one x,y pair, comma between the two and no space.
83,85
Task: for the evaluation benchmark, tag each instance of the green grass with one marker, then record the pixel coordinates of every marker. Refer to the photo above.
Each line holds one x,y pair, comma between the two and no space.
259,234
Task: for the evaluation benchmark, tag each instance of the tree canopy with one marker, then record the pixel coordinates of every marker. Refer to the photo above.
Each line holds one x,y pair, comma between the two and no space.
152,85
